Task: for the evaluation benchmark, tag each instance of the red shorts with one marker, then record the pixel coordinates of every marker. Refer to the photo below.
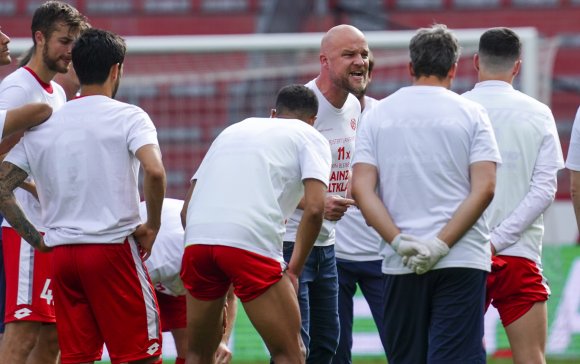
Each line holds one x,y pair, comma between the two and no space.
103,295
29,285
514,285
208,270
172,309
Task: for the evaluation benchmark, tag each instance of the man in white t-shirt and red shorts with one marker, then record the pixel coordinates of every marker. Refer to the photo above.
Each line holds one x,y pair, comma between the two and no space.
250,181
86,160
526,186
30,331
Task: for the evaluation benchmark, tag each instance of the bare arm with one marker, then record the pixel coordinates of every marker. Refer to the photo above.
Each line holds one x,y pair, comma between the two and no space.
25,117
309,227
482,176
223,354
575,192
11,177
183,214
364,183
154,191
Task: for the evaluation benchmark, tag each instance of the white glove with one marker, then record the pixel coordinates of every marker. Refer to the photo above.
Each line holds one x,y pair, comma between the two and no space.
422,263
407,246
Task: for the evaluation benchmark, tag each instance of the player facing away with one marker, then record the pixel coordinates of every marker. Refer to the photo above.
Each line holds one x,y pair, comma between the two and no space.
423,177
526,186
234,235
357,259
30,331
164,266
343,64
86,160
573,164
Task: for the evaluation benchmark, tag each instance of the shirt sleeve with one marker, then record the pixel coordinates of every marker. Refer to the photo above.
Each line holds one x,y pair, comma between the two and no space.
13,96
364,146
541,194
573,160
484,146
315,158
141,131
18,157
2,121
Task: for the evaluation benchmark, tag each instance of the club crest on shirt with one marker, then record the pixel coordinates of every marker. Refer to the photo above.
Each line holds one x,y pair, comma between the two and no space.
353,123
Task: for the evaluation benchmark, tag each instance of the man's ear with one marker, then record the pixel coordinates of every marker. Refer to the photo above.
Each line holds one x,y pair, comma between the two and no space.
115,71
411,72
476,62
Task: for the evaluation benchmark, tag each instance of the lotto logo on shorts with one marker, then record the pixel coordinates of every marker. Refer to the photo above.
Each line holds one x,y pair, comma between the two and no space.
22,313
153,349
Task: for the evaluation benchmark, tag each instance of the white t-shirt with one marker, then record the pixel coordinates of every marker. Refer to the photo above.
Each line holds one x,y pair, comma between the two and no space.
2,121
19,88
164,264
527,179
83,159
573,159
338,126
355,240
423,155
250,181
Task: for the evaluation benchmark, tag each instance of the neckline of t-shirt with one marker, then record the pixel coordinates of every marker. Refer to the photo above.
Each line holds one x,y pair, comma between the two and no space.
494,83
45,86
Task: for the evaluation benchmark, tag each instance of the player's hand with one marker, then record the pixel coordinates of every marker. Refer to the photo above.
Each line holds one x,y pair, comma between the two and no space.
42,246
293,279
145,237
407,246
422,263
335,207
223,355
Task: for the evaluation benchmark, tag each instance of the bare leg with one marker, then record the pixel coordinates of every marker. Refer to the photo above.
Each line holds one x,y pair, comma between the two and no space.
527,336
279,325
180,338
204,329
46,349
19,339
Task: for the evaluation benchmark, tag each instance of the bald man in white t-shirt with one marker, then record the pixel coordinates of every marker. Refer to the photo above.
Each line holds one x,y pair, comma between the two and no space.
343,64
526,186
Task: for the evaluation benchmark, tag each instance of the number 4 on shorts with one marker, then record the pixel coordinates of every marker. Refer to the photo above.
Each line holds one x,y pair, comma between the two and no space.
46,292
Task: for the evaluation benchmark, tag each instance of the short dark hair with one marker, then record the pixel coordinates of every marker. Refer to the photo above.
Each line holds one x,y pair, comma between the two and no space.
433,51
94,53
499,48
48,15
297,100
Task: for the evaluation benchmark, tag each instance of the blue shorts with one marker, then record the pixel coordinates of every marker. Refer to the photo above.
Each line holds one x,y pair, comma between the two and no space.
435,318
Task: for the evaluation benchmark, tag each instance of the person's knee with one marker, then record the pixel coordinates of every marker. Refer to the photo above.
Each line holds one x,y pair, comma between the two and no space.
20,337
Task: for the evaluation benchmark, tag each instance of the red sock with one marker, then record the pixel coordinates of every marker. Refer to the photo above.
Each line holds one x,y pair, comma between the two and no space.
179,361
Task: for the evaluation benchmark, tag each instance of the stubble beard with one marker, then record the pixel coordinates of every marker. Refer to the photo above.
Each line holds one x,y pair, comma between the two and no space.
51,63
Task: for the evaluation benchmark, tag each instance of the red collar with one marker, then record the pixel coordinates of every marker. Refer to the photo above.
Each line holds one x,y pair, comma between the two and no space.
46,86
